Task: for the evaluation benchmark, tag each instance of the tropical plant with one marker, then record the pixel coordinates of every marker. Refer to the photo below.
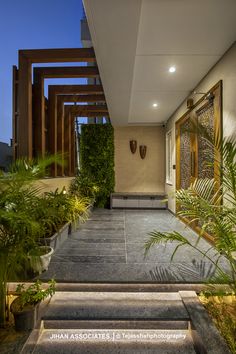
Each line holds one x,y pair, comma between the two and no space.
84,185
78,208
64,207
48,213
210,203
19,229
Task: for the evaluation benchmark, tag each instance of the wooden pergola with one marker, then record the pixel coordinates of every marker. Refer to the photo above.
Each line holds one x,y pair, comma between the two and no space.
22,90
56,112
67,138
39,76
35,117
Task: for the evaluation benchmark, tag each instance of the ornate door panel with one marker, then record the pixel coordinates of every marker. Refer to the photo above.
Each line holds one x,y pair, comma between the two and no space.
186,152
205,152
185,155
195,157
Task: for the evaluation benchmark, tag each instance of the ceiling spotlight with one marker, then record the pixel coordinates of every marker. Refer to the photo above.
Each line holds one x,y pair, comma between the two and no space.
155,105
172,69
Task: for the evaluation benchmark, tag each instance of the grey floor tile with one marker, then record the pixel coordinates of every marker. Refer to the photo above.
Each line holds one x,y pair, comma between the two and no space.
110,248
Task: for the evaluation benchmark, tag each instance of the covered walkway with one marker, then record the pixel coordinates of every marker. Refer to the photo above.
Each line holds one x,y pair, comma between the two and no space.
109,247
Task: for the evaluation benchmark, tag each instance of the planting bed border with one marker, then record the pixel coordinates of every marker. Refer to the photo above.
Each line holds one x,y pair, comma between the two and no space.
58,238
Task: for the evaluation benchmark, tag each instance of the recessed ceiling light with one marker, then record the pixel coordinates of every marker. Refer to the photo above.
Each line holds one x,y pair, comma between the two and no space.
172,69
155,105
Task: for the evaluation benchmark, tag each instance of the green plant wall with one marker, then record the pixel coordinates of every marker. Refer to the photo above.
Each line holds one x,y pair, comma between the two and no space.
97,158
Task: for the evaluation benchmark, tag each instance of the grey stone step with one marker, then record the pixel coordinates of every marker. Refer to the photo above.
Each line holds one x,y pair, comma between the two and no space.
116,306
121,324
127,287
114,341
90,259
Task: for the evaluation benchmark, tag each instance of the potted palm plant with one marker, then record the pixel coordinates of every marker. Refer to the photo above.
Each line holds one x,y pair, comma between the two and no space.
25,307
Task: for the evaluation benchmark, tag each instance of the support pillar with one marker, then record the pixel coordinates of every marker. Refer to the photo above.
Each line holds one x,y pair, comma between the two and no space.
24,129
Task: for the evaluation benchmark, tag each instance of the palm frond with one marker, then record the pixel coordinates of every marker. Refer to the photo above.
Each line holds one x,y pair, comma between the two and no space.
157,237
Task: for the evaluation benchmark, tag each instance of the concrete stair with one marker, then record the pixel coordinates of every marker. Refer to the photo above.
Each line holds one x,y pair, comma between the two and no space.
116,306
115,341
105,322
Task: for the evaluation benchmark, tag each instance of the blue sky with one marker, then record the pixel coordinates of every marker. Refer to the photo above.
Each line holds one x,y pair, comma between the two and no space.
32,24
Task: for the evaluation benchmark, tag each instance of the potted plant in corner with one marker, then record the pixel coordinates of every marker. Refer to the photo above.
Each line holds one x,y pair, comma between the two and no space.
25,307
40,258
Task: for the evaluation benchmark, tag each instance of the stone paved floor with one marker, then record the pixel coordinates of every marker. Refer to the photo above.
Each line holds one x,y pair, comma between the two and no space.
109,247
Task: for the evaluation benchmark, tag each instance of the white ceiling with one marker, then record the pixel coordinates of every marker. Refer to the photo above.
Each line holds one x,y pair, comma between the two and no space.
136,41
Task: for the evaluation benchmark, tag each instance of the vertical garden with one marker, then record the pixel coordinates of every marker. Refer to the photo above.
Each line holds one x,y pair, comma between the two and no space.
97,159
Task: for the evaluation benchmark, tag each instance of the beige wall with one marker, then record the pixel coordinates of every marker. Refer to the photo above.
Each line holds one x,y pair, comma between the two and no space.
224,70
51,184
132,173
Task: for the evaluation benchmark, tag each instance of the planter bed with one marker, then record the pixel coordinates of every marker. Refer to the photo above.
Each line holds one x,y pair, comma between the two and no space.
58,238
222,310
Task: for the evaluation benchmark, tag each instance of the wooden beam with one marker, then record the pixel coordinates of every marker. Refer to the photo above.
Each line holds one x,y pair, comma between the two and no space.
88,108
76,89
15,109
90,114
66,72
62,55
67,141
24,131
60,136
73,147
52,127
38,116
82,98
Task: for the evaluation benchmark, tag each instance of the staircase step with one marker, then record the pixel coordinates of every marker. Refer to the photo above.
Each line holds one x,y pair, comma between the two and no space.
129,287
114,341
115,306
120,324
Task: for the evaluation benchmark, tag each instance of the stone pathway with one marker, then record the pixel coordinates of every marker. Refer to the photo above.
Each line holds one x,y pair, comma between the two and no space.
109,247
93,311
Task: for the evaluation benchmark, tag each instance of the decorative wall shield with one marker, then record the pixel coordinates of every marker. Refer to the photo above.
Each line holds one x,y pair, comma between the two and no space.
142,151
133,146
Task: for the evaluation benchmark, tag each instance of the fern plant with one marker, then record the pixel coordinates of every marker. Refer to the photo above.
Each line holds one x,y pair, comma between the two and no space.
210,203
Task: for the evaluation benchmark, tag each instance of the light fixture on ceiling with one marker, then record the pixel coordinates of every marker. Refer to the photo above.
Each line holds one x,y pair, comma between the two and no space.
155,105
172,69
